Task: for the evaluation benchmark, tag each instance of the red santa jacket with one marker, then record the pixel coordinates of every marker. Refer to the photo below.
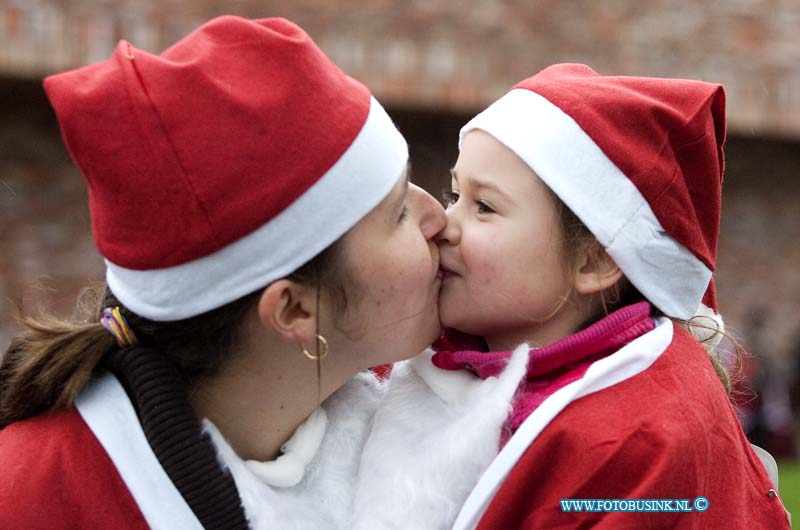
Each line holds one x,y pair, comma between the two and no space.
56,475
649,422
86,468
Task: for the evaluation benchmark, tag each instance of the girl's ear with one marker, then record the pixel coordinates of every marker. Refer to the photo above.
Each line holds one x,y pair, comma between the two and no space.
596,271
289,309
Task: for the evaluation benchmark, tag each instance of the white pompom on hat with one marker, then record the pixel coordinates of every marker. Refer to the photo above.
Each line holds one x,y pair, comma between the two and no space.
639,161
222,164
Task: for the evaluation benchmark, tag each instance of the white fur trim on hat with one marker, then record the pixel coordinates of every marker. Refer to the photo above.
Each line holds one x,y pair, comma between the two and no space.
604,198
352,187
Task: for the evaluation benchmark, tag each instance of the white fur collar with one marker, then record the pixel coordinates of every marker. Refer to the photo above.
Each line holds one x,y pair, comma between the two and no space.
409,466
289,468
452,386
323,496
432,438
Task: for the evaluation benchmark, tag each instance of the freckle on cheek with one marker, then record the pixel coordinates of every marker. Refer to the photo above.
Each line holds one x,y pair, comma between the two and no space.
488,274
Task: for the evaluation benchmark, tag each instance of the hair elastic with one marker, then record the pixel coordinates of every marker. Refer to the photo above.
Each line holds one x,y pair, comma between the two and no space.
116,324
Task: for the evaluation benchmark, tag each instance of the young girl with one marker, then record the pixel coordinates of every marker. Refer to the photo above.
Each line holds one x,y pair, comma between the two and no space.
582,222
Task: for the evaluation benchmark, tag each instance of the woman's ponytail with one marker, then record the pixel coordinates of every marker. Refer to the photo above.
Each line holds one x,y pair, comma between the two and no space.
51,360
47,365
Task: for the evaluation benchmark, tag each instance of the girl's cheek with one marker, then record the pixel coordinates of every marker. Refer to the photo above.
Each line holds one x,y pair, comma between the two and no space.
487,273
478,271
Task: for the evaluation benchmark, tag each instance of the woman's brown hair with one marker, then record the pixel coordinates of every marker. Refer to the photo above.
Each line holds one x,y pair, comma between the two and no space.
52,359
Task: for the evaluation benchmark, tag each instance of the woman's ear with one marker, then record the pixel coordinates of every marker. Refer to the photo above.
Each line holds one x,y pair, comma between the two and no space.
596,271
289,309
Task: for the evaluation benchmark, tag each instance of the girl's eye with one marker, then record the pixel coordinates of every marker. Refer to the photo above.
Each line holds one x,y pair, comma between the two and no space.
485,207
450,197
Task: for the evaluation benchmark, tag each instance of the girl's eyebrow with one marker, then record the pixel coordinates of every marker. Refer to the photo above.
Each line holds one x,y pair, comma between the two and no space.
482,184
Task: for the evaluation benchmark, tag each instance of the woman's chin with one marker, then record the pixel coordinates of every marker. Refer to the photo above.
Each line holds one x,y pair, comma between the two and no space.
429,331
449,318
433,330
462,324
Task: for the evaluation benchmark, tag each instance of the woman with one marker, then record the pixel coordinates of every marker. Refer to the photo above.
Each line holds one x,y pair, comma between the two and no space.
262,244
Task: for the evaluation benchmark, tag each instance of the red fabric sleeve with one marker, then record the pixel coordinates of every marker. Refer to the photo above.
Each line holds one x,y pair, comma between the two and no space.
55,474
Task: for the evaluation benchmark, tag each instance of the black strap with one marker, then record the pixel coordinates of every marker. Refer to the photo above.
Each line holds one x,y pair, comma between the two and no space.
188,456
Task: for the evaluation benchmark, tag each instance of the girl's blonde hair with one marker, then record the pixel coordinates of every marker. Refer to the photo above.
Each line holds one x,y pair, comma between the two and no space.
578,241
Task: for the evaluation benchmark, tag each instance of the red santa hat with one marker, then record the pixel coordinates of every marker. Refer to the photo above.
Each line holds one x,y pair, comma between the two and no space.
222,164
638,160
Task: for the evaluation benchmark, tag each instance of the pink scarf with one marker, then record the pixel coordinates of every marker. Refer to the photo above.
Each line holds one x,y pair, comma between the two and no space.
549,368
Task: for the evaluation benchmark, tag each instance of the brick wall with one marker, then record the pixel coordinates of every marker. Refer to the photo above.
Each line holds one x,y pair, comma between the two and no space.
44,227
758,278
460,55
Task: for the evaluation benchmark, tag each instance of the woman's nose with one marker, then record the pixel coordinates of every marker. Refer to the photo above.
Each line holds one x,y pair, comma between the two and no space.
432,218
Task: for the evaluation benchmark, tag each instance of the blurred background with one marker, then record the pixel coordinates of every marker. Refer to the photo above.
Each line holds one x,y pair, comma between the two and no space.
433,64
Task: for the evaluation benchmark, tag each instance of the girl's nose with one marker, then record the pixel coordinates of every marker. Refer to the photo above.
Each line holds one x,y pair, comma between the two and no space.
451,233
432,218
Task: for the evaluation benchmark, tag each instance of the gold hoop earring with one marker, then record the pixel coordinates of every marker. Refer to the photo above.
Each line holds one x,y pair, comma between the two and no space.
324,346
